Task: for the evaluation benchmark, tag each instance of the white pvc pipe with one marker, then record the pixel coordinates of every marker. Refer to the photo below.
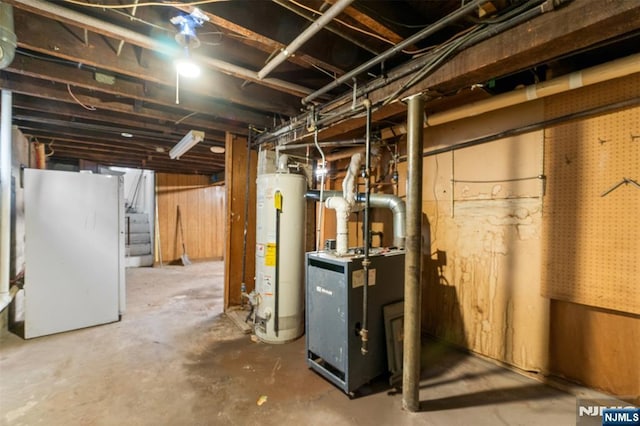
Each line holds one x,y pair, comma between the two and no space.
599,73
342,209
283,163
311,30
5,198
349,181
347,153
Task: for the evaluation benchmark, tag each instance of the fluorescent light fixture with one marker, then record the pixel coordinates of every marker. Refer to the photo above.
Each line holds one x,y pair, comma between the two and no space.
188,142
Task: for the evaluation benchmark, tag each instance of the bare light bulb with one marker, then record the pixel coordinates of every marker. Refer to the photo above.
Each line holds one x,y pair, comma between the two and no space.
187,68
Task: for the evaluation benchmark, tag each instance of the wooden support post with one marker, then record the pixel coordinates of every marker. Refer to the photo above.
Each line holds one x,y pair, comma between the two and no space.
236,185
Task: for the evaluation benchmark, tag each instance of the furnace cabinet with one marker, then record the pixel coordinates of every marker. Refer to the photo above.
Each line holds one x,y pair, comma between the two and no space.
334,315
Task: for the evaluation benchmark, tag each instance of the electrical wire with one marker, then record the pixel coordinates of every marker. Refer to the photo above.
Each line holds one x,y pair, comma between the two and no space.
319,68
142,21
132,5
54,60
525,5
391,21
87,107
185,117
353,27
498,180
446,52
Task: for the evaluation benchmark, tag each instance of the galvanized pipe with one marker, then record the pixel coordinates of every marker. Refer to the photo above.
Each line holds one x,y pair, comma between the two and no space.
5,198
413,257
341,34
309,32
364,332
431,29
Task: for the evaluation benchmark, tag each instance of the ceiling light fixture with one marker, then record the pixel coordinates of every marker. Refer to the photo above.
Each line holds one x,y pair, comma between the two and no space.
189,141
188,39
186,67
216,149
126,135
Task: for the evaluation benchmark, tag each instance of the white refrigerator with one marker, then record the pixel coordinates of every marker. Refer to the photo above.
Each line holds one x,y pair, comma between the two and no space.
74,253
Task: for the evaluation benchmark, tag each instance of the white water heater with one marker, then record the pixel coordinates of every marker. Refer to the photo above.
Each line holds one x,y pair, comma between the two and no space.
280,262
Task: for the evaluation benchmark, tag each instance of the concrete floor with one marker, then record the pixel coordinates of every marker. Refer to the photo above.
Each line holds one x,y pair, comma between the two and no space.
176,359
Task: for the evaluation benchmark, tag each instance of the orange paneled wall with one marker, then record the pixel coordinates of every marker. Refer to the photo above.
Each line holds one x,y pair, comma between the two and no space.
202,208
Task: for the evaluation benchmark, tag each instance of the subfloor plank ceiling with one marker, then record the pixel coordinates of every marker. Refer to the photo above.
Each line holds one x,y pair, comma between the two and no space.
95,80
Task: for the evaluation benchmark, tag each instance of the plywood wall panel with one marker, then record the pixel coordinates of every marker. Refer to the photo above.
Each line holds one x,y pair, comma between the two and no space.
595,347
483,290
202,209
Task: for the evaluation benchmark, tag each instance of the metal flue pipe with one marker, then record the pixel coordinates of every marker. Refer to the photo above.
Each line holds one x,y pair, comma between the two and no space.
311,30
413,257
387,201
431,29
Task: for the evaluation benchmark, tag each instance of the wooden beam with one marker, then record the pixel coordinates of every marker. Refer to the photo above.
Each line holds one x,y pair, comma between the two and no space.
53,91
576,26
151,93
134,144
91,150
119,33
42,35
236,182
266,44
26,105
359,123
365,21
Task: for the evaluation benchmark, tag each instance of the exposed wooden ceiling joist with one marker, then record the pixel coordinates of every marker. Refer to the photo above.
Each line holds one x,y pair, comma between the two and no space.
54,91
136,55
554,34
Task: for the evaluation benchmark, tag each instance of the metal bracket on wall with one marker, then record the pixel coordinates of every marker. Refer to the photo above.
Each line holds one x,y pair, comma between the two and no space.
624,181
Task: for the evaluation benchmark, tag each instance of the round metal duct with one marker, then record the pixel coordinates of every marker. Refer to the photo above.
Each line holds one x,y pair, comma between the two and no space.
8,39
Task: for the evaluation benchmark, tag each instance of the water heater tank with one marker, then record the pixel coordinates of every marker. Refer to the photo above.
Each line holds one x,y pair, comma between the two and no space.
280,251
7,36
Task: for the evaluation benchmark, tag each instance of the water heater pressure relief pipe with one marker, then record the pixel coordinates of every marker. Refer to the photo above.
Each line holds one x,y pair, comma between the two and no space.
277,201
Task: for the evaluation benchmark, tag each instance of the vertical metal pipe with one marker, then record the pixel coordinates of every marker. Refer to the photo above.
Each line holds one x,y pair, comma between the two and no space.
5,197
276,317
243,283
364,332
413,257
